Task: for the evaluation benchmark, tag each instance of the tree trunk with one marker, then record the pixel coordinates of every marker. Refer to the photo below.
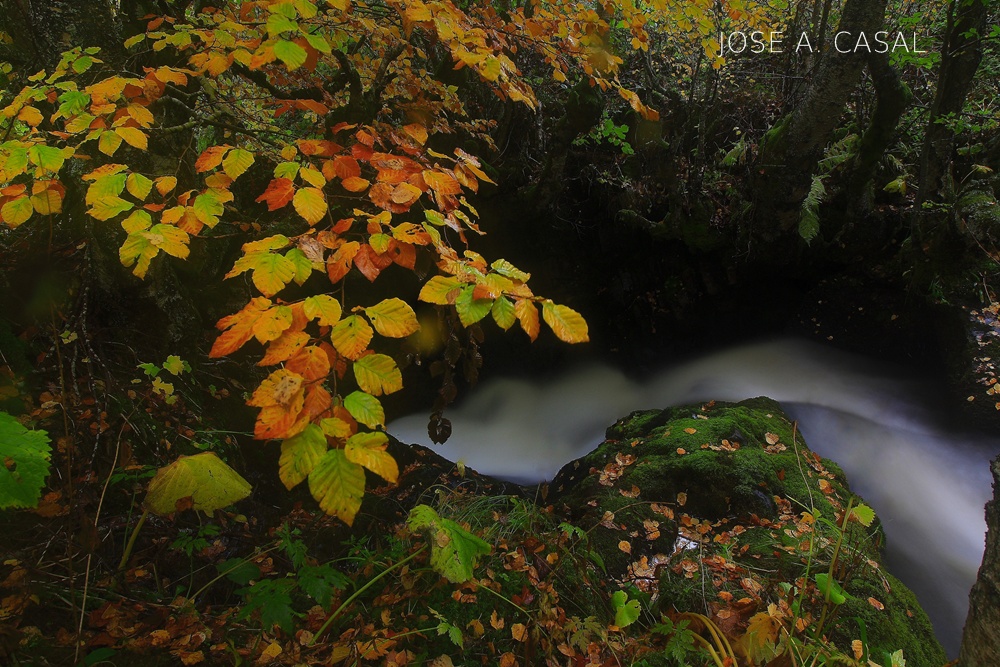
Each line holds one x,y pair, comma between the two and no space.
961,55
790,151
981,638
893,98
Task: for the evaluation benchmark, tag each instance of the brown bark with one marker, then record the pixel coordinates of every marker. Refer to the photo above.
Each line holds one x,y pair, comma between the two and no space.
981,638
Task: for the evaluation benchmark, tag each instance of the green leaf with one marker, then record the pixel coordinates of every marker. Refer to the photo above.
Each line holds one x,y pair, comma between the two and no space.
24,463
290,53
300,454
503,313
830,589
626,611
863,514
319,582
365,408
277,24
48,157
454,550
273,599
239,571
210,483
471,310
338,485
303,267
378,374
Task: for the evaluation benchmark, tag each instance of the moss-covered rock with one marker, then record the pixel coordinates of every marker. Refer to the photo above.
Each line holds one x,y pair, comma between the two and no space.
722,509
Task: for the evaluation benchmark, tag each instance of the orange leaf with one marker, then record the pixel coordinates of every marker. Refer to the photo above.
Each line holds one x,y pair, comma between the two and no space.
340,262
311,363
279,192
284,347
238,328
210,158
527,315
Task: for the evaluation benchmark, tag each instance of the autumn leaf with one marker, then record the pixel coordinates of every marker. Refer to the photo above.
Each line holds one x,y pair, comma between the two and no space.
290,53
323,308
239,328
338,484
527,315
300,454
236,162
310,204
368,450
351,336
441,290
454,550
210,158
210,483
278,193
393,318
378,374
566,323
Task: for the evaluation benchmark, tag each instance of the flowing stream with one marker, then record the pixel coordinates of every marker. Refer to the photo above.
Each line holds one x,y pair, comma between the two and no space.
927,484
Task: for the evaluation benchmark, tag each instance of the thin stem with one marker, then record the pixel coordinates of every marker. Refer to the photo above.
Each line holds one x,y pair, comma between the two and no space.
361,590
131,540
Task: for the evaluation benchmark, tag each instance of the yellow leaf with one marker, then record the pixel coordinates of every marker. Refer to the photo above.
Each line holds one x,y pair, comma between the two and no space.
441,290
138,186
378,374
108,142
47,202
393,318
237,161
310,204
210,483
368,450
17,211
351,336
566,323
165,184
323,308
133,136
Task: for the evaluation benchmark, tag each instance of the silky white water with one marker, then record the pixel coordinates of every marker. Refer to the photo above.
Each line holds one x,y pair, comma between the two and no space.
927,485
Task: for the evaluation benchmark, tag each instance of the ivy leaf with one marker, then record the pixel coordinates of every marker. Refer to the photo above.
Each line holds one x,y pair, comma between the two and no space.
351,336
368,450
626,611
378,374
454,550
393,318
566,323
365,408
24,463
338,485
290,53
210,483
300,454
323,308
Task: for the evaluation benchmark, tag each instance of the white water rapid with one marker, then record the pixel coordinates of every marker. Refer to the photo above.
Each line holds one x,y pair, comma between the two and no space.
927,485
